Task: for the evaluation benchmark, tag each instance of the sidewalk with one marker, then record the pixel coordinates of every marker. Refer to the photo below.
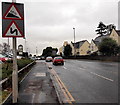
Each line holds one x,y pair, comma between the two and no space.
37,86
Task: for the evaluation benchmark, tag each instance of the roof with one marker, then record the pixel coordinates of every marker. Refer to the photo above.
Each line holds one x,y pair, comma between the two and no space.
99,38
79,44
96,42
118,32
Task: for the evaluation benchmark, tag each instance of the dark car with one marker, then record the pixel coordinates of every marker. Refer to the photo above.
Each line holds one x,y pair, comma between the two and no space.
58,60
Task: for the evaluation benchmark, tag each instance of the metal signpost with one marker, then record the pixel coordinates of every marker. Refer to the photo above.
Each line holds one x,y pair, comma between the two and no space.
13,26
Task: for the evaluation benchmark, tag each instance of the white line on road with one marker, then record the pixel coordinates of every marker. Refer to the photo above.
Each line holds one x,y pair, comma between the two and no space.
82,69
64,67
33,97
102,76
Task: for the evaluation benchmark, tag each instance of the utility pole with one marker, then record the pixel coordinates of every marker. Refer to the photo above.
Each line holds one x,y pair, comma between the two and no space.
15,70
36,51
74,43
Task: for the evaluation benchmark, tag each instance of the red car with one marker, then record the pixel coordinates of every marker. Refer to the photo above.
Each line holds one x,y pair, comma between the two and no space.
2,58
58,60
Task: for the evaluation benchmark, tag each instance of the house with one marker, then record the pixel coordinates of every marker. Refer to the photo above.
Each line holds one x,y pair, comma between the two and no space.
94,46
95,43
61,49
82,47
115,34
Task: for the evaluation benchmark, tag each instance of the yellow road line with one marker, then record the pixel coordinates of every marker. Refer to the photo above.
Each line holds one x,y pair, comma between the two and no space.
66,92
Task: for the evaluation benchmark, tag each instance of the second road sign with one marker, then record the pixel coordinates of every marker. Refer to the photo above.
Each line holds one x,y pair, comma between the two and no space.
12,19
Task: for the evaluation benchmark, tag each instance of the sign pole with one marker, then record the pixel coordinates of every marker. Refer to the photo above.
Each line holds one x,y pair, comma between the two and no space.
13,26
15,70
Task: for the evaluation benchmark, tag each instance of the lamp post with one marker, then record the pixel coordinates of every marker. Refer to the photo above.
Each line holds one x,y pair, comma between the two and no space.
74,42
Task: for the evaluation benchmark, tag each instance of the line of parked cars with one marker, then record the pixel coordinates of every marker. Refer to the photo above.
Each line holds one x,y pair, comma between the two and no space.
6,57
56,60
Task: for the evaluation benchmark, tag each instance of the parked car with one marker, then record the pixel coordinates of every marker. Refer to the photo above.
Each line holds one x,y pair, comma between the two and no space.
58,60
49,59
19,57
42,58
1,62
3,58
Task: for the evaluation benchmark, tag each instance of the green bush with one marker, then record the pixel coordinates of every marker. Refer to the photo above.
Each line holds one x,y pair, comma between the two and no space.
7,67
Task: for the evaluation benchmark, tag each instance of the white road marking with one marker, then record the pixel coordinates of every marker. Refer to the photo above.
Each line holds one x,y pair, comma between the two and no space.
40,74
102,76
82,69
33,96
64,67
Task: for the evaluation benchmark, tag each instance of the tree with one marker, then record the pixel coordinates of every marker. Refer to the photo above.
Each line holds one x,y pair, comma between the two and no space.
6,48
67,50
49,51
108,46
101,29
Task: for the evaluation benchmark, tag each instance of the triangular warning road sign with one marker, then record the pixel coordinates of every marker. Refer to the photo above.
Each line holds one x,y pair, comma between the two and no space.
13,13
13,31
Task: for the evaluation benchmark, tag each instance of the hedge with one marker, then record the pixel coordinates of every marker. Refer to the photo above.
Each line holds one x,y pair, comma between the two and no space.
7,67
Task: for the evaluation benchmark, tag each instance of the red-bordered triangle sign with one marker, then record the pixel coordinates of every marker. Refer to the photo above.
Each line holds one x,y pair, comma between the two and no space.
13,13
13,31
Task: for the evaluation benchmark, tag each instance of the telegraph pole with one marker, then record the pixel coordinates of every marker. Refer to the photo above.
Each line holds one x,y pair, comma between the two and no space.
15,70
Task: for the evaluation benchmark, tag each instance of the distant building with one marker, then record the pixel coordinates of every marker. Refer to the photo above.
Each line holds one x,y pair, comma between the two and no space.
94,46
82,47
115,35
61,49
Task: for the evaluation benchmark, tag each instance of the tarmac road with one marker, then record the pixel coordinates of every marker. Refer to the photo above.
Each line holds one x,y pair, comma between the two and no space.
90,81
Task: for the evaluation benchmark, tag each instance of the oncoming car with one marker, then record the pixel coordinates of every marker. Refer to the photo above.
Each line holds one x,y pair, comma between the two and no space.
49,59
58,60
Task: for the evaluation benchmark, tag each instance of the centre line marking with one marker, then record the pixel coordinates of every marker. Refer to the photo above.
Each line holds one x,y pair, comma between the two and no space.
82,69
102,76
64,68
33,97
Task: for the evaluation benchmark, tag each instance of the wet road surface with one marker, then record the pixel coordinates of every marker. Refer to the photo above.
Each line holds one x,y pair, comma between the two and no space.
90,81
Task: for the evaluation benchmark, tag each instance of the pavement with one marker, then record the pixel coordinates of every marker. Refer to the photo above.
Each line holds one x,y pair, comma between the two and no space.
37,86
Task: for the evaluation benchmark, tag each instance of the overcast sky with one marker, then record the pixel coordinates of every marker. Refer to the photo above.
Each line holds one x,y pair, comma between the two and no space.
51,22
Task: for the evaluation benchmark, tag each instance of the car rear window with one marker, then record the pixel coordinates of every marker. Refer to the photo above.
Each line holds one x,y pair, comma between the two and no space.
58,58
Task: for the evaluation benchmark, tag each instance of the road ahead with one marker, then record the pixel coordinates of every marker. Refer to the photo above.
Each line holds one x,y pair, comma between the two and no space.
90,81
